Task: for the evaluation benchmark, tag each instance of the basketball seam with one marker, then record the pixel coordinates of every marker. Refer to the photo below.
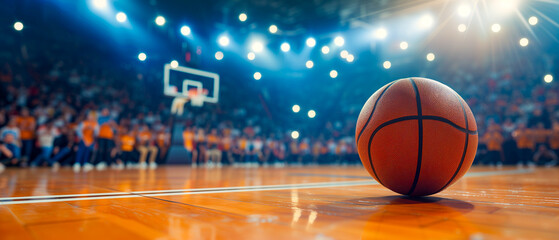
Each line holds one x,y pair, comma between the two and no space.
371,115
465,147
420,138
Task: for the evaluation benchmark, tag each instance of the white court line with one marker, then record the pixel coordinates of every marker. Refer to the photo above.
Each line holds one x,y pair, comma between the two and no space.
169,191
175,192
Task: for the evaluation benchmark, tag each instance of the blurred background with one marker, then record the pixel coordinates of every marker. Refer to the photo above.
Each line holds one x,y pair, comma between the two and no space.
293,77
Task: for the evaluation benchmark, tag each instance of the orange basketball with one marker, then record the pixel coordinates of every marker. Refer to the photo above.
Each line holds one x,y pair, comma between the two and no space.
416,136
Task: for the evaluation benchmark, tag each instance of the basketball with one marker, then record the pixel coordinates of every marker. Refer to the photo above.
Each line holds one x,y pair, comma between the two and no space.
416,136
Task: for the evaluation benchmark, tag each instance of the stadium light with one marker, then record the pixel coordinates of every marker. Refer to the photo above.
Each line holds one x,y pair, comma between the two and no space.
296,108
339,41
344,54
273,29
160,21
387,64
506,6
219,55
309,64
121,17
496,28
174,64
295,134
100,4
242,17
325,50
18,26
257,46
333,74
381,33
142,56
464,10
404,45
350,58
251,56
524,42
311,42
430,57
185,30
426,21
257,75
311,114
285,47
533,20
462,27
224,41
548,78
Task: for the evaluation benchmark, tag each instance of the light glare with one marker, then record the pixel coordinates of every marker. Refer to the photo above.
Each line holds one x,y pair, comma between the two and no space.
496,28
273,29
242,17
257,46
350,58
333,74
142,57
387,64
344,53
121,17
524,42
464,10
285,47
219,55
185,30
404,45
430,57
311,42
381,33
100,4
295,134
325,50
311,114
309,64
224,41
257,75
160,20
548,78
533,20
339,41
174,64
296,108
18,26
251,56
462,27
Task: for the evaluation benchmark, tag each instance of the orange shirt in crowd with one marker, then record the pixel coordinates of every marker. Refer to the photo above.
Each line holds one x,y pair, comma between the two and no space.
524,138
242,143
188,139
88,132
304,146
161,139
494,140
213,139
26,127
144,137
316,148
554,139
226,143
106,131
293,147
127,142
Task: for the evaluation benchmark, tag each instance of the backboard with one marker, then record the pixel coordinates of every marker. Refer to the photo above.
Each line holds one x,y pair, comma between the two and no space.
178,81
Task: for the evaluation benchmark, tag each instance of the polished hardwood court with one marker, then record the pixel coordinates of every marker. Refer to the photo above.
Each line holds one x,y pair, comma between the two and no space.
331,202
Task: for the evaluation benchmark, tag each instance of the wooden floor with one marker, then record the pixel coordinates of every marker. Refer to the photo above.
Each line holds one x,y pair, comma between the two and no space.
272,203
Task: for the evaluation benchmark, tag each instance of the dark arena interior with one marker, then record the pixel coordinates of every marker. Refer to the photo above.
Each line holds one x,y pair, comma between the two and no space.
279,119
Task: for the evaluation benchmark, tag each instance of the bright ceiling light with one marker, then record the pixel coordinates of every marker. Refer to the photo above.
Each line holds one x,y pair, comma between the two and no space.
325,50
404,45
344,53
142,56
339,41
333,74
160,20
295,134
121,17
524,42
350,58
296,108
257,46
309,64
311,42
273,29
285,47
533,20
381,33
430,57
174,64
257,76
242,17
224,41
18,26
426,21
387,64
251,56
311,114
100,4
548,78
219,55
185,30
464,10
